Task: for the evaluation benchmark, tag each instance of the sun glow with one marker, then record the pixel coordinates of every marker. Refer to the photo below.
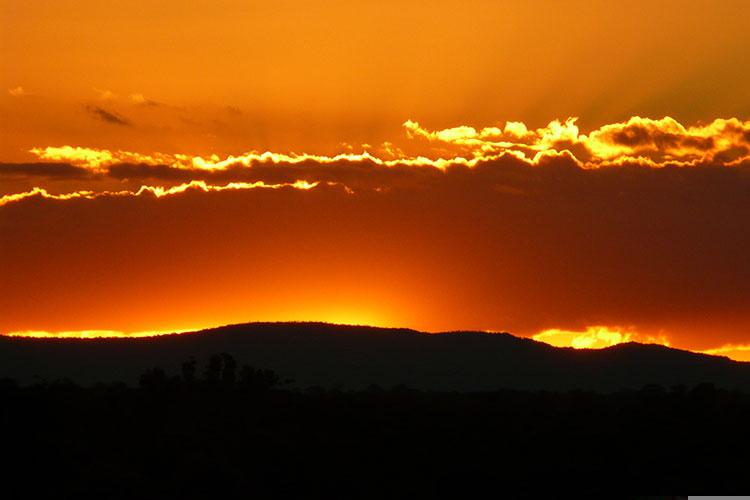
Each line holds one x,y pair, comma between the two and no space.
600,337
93,334
353,318
595,337
732,351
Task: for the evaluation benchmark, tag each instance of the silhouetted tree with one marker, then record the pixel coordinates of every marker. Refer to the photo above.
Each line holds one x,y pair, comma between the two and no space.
229,370
212,373
8,384
154,380
215,441
258,380
188,371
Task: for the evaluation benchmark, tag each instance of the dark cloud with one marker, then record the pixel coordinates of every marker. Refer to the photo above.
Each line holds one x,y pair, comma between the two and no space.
356,175
638,136
108,116
150,102
234,111
50,170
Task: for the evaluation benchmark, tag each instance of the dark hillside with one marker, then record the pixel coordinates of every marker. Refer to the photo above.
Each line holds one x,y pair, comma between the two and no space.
356,357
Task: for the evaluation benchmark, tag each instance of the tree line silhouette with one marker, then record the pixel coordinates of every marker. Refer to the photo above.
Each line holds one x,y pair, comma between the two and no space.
238,432
220,372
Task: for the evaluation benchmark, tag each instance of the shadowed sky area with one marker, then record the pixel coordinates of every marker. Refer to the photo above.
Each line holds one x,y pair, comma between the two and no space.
577,170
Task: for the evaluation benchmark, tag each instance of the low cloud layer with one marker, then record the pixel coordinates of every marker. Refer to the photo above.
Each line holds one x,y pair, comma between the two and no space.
641,141
638,142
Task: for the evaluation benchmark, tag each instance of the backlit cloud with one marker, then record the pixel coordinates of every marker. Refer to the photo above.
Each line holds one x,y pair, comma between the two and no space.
642,141
156,191
639,141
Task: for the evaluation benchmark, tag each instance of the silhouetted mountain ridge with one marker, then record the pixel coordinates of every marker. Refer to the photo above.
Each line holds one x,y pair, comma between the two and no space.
357,356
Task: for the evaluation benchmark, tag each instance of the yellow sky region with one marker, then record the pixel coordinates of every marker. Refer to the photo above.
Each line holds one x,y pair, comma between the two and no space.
735,352
225,76
91,334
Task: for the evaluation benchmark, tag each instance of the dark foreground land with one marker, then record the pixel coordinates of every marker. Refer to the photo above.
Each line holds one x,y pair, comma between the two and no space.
370,413
216,430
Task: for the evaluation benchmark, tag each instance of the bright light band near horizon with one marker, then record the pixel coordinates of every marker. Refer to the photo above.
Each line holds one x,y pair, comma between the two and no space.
93,334
593,337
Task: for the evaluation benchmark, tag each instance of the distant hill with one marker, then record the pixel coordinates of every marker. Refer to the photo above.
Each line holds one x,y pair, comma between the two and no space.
352,357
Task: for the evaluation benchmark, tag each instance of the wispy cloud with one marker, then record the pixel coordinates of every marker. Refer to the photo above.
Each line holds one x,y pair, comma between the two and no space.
141,100
50,170
156,191
18,92
108,116
105,95
636,142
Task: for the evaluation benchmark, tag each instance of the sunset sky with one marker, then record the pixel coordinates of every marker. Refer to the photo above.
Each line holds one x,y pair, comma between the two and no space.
577,171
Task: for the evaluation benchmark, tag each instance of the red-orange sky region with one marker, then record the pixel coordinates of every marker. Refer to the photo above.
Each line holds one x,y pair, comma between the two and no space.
169,166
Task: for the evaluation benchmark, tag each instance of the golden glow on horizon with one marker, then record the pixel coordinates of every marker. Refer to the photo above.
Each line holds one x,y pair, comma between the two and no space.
354,317
595,337
93,334
348,318
736,352
600,337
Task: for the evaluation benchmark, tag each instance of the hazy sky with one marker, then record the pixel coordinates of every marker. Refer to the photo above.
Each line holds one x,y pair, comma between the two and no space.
478,203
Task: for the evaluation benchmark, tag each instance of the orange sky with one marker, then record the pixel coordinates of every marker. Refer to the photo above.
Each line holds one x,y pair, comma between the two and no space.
229,76
464,198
